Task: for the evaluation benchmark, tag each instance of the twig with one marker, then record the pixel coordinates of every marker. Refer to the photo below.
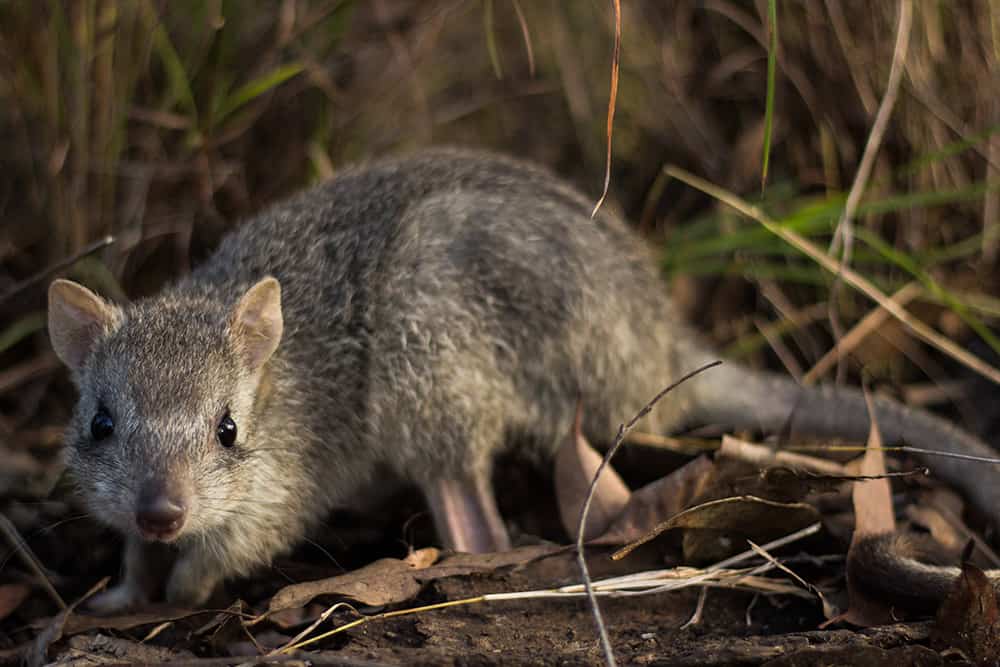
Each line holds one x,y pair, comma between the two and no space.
828,609
952,455
319,621
527,37
388,614
869,323
721,565
58,266
844,233
29,559
581,526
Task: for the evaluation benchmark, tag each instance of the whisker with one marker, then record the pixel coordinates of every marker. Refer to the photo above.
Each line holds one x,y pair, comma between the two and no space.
324,552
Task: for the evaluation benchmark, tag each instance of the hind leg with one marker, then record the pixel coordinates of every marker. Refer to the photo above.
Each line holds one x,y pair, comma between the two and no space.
465,513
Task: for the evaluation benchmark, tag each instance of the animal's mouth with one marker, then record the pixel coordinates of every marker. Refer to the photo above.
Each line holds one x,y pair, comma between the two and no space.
165,534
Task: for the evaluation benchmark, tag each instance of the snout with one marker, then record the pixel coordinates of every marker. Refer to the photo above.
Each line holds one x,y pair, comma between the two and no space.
160,512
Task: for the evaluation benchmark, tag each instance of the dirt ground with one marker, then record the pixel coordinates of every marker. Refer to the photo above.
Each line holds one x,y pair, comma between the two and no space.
733,627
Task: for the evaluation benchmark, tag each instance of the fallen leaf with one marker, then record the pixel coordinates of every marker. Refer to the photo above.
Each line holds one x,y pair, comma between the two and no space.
766,457
464,563
873,497
658,501
152,615
54,628
390,581
576,463
968,619
383,582
422,557
873,516
747,516
792,485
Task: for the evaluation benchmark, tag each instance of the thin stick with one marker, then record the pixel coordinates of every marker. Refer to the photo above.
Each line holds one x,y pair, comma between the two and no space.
845,227
29,559
319,621
581,526
869,323
58,266
388,614
951,455
728,562
526,34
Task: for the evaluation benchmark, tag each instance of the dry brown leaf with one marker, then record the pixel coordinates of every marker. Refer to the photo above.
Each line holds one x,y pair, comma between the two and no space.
768,456
383,582
463,563
658,501
872,516
576,463
391,581
52,629
422,558
968,619
873,497
78,623
749,516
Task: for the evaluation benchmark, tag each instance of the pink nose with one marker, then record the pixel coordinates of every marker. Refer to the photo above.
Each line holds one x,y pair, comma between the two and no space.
159,516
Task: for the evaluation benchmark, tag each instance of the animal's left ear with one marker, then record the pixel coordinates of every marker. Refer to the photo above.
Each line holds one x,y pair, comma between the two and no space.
256,322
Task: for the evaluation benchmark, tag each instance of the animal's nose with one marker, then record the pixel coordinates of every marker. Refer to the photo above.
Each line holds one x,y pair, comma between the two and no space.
159,514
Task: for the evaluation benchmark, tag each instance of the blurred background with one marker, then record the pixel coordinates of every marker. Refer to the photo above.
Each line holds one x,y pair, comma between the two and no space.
164,123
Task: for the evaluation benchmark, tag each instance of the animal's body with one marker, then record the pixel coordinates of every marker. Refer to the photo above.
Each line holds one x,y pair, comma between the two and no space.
412,316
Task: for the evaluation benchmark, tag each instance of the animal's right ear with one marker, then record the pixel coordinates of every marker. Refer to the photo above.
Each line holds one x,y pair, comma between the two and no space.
77,318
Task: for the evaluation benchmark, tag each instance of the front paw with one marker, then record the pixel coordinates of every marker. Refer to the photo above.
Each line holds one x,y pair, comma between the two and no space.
189,584
119,599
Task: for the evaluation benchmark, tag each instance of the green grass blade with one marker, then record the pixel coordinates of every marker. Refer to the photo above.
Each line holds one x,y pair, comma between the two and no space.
772,61
491,38
948,150
254,89
178,85
933,287
21,329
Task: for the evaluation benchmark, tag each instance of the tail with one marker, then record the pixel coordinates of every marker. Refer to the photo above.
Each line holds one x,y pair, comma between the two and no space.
739,397
893,567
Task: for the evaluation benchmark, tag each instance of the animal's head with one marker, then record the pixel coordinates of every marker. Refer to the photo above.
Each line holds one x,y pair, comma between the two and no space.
162,437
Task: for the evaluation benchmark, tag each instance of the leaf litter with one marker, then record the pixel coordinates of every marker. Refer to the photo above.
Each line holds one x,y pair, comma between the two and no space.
718,509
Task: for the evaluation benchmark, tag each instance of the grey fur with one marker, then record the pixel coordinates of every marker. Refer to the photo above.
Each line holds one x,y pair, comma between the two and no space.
436,308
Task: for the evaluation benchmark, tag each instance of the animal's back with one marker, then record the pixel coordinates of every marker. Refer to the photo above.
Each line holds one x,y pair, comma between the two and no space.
438,306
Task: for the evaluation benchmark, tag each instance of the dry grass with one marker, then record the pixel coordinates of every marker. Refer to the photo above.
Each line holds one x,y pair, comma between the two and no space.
162,123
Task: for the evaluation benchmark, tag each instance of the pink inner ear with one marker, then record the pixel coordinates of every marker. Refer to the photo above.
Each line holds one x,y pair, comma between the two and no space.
258,316
77,317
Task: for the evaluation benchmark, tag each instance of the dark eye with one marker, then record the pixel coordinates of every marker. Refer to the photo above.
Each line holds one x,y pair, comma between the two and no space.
226,431
102,425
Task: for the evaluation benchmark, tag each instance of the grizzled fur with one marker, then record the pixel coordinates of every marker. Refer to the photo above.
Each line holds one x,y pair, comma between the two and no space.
436,308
